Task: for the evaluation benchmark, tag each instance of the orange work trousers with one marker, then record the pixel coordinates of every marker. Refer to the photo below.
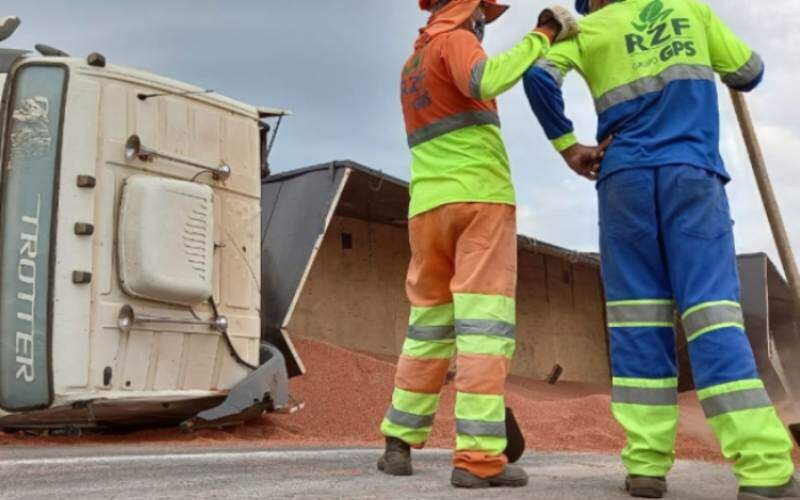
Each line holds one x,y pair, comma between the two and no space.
461,284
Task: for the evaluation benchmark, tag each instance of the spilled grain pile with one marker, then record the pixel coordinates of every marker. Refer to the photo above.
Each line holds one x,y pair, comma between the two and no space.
346,394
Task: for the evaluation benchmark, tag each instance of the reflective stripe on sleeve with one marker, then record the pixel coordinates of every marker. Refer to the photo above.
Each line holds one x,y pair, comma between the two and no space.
746,74
475,79
551,69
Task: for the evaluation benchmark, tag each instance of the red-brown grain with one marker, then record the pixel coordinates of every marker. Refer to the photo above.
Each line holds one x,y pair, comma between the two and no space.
346,395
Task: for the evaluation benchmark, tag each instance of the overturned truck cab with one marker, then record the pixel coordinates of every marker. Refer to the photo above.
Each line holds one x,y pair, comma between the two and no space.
129,250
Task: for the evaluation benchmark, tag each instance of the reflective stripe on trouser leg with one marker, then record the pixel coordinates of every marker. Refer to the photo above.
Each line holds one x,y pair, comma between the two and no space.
736,403
712,316
484,287
641,318
697,237
485,328
750,432
648,410
421,372
646,313
645,385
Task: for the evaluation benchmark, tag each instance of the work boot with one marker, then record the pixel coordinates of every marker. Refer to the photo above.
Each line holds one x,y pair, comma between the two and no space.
645,486
396,459
788,490
512,476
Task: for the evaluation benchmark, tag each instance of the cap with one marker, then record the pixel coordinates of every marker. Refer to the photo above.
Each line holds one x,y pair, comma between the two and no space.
582,6
491,8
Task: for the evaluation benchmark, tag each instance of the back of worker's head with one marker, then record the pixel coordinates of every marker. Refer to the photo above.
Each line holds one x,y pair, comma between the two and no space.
586,7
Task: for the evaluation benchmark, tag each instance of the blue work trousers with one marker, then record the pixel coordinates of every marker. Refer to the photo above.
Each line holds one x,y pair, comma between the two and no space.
668,254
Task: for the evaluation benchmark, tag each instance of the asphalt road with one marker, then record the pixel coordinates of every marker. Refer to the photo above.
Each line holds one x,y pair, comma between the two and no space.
114,472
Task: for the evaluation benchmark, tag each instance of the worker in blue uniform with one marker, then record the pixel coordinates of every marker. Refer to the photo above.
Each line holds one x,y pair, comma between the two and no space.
666,235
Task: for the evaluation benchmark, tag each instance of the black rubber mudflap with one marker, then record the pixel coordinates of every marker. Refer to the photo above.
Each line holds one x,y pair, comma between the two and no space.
516,441
795,429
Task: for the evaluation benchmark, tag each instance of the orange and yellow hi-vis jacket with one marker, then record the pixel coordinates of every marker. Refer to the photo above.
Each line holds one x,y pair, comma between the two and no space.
449,86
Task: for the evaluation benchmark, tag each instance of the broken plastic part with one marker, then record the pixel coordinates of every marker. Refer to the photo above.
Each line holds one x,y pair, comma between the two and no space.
49,51
267,386
8,25
81,277
143,97
293,408
86,181
84,229
96,59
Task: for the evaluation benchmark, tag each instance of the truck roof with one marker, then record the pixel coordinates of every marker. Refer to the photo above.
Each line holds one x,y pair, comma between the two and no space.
158,83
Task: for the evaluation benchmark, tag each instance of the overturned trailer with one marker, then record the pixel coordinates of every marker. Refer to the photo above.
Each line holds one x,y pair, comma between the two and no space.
334,257
334,261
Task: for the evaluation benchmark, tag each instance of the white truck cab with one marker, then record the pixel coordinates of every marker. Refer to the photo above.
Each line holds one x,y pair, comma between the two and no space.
129,247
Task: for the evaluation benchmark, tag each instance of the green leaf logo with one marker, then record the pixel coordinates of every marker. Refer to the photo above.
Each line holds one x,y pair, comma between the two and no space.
652,14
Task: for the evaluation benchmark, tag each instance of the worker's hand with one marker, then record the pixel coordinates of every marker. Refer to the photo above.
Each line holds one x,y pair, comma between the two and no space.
557,23
586,160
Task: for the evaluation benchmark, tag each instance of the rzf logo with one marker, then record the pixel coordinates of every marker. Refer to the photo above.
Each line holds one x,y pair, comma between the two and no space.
658,31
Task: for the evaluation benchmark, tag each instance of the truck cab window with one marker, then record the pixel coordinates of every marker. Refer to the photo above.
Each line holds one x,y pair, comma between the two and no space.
29,192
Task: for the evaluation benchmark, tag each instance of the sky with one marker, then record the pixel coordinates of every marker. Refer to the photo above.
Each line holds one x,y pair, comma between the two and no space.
336,64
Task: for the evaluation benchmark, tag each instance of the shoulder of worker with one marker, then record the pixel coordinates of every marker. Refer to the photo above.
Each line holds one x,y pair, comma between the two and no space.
459,44
597,23
638,10
603,16
607,22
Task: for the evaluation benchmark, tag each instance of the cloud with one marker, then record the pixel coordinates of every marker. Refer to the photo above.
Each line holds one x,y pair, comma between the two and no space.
337,64
555,209
565,211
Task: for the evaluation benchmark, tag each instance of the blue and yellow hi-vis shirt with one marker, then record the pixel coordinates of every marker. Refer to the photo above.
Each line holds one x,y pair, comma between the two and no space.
650,66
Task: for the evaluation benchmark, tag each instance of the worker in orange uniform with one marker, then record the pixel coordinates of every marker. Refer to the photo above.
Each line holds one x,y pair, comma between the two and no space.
462,277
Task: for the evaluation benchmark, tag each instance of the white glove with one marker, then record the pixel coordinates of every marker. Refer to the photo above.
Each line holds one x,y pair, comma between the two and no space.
562,19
